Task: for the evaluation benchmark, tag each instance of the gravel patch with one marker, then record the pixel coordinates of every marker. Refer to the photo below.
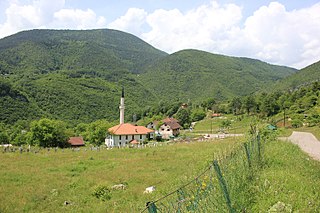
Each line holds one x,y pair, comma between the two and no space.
307,142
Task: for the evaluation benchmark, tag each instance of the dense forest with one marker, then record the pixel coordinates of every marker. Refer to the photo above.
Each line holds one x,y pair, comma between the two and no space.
76,76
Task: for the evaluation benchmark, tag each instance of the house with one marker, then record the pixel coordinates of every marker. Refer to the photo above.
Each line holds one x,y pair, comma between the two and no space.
216,115
76,141
169,128
123,134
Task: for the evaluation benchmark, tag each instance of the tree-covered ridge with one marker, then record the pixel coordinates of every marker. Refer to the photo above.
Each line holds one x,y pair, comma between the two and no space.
77,75
304,76
72,75
101,50
193,74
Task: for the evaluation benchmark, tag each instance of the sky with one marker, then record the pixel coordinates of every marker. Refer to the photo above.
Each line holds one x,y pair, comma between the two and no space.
283,32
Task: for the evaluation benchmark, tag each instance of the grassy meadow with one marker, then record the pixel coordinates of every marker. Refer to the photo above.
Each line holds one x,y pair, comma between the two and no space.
289,176
42,182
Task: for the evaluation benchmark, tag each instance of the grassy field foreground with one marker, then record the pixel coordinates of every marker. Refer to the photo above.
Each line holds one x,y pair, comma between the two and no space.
42,182
290,178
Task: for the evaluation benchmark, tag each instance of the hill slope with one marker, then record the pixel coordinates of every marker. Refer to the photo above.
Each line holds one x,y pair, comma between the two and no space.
77,75
306,75
72,75
193,74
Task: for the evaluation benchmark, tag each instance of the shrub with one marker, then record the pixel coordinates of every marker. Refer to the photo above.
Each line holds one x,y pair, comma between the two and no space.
296,123
102,193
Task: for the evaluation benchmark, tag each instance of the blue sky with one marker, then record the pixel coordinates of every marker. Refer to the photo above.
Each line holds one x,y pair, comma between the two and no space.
279,32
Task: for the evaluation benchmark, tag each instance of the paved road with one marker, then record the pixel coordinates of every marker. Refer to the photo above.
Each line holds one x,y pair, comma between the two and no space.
307,142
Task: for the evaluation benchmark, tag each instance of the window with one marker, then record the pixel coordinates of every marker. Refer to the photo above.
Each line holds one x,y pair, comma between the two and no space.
140,137
126,137
120,137
132,137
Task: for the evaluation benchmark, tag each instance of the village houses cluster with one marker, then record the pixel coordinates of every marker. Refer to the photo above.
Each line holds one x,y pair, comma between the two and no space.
125,134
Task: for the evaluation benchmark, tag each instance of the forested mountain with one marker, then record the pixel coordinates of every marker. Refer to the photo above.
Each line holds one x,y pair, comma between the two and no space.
304,76
77,75
72,75
194,74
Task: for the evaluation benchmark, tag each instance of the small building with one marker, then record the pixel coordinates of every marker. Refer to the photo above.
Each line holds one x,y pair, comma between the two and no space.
122,134
216,115
170,128
76,141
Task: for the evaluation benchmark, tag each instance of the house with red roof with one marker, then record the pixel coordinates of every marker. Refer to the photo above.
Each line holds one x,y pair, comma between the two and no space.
125,133
76,141
169,127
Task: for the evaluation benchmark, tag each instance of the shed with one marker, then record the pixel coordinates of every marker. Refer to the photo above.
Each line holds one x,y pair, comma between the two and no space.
76,141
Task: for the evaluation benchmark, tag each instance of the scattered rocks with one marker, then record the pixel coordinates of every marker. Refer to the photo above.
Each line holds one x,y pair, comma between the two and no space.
119,187
149,190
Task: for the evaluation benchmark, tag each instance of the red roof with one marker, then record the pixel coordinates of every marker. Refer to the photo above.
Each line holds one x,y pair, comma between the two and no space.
76,141
129,129
134,142
173,123
216,115
167,120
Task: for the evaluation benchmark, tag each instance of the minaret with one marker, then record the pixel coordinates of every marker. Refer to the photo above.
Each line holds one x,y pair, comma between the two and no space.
121,107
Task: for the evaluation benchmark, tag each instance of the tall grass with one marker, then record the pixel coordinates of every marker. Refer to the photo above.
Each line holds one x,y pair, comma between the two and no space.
290,177
42,182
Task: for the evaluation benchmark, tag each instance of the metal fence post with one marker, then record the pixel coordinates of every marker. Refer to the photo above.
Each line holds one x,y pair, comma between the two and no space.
152,208
223,185
247,153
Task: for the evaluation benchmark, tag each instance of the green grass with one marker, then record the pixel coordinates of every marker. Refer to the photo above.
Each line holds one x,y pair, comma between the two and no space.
239,125
42,182
289,176
286,132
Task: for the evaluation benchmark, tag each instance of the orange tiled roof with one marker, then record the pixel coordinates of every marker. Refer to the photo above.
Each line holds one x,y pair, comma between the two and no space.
129,129
76,141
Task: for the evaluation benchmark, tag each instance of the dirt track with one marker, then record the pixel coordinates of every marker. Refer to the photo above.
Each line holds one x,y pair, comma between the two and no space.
307,142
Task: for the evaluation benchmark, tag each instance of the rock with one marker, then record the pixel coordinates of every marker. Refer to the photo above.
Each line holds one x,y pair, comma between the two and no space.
119,187
280,207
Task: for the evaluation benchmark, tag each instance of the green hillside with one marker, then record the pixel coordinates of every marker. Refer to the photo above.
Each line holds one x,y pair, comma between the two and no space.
77,75
304,76
72,75
101,51
193,74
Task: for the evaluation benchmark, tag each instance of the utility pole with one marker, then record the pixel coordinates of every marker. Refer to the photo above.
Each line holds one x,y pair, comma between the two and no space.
284,117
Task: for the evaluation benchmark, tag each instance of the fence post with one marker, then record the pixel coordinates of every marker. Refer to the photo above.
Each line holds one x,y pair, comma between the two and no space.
247,153
223,185
259,147
152,208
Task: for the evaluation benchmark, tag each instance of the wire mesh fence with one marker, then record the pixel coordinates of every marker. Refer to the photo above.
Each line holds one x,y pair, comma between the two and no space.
221,187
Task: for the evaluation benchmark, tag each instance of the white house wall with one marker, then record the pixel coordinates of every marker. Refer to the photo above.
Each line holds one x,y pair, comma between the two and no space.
123,140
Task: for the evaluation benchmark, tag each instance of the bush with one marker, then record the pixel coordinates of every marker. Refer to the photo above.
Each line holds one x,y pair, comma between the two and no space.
296,123
102,193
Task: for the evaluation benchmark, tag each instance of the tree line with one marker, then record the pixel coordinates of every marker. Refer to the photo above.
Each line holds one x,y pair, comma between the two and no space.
301,105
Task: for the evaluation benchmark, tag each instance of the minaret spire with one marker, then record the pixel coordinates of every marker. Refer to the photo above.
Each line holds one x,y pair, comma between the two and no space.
122,94
122,107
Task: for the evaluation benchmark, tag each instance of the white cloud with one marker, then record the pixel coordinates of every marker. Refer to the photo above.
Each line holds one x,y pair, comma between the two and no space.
271,34
47,14
77,19
133,21
284,37
203,28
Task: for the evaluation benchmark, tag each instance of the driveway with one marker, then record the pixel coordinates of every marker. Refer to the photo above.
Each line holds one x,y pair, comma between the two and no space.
307,142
